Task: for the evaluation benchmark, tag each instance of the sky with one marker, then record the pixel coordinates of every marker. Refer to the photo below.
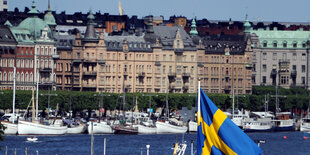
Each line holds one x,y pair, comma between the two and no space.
257,10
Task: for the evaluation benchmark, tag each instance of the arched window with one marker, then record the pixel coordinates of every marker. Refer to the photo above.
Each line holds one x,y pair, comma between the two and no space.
4,76
264,43
31,77
18,77
0,76
275,44
294,44
284,44
22,77
26,77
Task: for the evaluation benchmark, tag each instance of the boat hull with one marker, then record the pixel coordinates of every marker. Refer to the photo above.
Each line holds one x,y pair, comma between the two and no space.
305,127
32,128
76,129
146,130
99,128
10,128
125,130
163,127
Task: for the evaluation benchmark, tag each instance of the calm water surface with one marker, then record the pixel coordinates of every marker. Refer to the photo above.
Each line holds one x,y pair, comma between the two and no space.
135,144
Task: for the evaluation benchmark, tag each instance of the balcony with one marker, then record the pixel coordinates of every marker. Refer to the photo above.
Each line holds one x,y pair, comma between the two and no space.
101,62
125,73
172,74
127,86
90,61
293,73
141,74
186,75
157,63
47,70
178,51
56,56
199,64
90,73
76,61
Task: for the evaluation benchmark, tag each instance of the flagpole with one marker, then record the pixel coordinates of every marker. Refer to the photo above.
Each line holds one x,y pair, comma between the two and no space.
198,105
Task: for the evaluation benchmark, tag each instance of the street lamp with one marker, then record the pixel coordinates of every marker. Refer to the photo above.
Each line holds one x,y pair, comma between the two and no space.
150,95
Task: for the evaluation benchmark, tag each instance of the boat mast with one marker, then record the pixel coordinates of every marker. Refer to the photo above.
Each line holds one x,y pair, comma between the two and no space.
233,103
37,97
14,93
33,110
167,106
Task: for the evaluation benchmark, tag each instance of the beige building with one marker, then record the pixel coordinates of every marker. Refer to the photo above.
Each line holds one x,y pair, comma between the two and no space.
225,64
4,5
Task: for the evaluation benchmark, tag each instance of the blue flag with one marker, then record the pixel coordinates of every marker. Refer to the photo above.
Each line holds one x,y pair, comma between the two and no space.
217,134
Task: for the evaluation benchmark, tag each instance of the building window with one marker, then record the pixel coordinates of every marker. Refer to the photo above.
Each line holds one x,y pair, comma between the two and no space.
275,45
274,56
303,56
294,44
264,68
5,2
294,56
284,56
304,45
264,56
303,68
264,79
265,44
164,57
284,44
303,80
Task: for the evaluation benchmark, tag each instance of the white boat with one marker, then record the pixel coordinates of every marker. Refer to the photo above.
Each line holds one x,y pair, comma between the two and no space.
192,126
238,118
142,129
167,127
283,122
305,125
99,128
10,128
76,129
35,128
259,125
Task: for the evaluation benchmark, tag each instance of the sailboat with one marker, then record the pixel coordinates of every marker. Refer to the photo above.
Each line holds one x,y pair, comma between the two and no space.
145,124
35,127
170,125
11,127
99,127
123,128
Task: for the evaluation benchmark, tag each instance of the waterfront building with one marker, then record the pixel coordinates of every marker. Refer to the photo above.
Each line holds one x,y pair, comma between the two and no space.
7,57
64,42
36,50
225,64
280,57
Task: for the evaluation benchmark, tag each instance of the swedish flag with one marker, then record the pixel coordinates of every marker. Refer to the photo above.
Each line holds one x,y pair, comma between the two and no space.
217,134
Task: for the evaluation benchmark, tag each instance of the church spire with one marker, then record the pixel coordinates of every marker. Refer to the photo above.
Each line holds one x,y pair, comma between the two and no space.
247,25
90,30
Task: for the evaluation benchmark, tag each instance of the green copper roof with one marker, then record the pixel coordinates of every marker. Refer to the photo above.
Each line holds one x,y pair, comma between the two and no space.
282,39
247,25
193,28
33,10
49,18
8,23
34,24
90,15
22,36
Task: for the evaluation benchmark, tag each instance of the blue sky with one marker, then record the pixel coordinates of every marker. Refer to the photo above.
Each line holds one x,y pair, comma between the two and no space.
258,10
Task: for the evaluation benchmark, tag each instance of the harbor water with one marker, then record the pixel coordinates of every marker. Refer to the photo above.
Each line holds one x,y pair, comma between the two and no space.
160,144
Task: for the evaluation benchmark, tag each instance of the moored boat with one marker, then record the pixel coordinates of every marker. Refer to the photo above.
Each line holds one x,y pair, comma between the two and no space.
76,129
99,128
168,127
121,129
35,128
305,124
142,129
259,125
10,128
282,122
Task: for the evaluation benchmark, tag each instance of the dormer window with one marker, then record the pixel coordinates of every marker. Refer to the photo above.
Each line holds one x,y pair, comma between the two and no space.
294,44
304,45
284,44
265,44
275,44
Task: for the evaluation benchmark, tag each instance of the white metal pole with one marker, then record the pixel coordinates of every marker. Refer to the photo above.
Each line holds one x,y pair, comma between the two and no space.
198,105
14,94
37,97
104,145
92,139
147,149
